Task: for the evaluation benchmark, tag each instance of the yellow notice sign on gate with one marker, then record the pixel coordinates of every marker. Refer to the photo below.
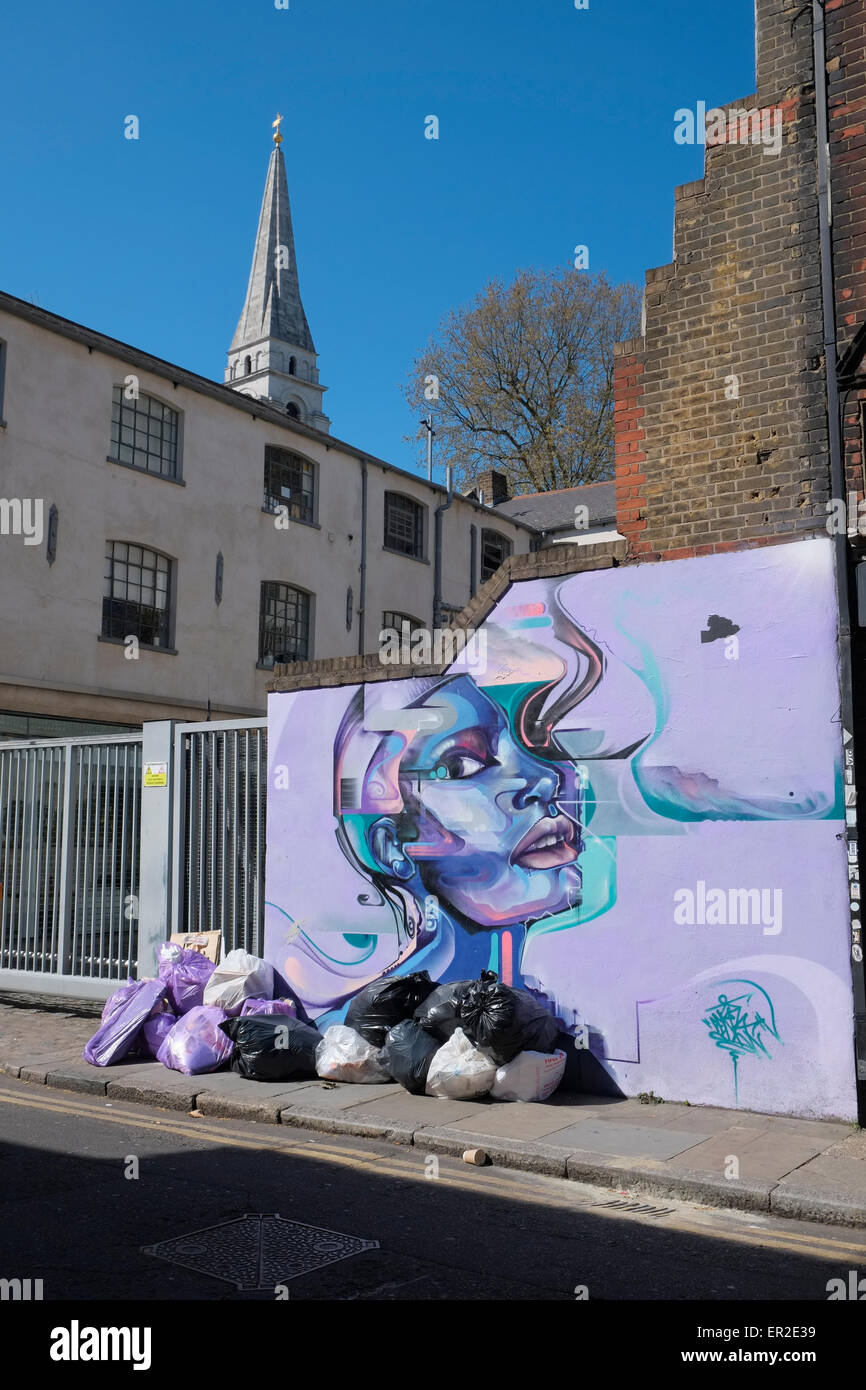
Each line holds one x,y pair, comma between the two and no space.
156,774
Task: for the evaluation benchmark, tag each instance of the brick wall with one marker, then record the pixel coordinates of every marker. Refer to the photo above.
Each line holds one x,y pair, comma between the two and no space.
846,82
720,408
539,564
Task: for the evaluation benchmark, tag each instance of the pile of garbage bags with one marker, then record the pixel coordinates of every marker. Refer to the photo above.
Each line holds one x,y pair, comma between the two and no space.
455,1041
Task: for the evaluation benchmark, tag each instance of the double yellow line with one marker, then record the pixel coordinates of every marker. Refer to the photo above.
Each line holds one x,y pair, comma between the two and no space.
497,1182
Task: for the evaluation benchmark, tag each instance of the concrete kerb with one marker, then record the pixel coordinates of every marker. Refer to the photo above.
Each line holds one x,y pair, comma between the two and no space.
329,1122
649,1178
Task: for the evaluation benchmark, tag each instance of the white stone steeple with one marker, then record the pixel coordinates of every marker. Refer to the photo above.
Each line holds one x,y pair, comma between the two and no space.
272,354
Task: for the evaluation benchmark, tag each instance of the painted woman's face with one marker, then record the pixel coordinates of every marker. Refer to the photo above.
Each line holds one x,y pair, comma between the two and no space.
483,820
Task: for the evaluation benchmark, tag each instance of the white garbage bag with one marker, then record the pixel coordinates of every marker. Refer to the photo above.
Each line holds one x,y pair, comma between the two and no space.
343,1055
531,1076
240,976
460,1070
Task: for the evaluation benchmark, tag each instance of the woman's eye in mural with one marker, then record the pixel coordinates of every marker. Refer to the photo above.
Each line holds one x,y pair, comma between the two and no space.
456,764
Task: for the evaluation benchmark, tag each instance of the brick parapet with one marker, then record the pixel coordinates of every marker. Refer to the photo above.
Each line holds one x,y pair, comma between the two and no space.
555,561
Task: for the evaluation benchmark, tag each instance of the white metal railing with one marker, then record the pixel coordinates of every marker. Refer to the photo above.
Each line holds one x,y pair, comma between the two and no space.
69,856
218,868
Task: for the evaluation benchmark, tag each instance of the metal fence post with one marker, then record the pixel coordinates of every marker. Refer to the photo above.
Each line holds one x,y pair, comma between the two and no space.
154,906
67,858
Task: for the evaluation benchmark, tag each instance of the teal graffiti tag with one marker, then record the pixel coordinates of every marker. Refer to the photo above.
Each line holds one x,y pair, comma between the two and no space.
739,1026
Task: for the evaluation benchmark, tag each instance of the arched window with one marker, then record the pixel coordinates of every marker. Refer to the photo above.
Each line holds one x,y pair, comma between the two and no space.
293,411
137,596
248,366
290,480
292,366
284,624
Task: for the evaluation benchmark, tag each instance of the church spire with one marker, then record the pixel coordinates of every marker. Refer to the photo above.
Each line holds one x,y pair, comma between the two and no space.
272,353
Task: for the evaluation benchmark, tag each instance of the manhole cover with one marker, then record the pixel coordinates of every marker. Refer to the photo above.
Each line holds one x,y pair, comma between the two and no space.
258,1252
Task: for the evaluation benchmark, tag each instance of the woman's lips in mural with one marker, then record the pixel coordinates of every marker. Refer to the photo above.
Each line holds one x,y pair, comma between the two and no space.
548,845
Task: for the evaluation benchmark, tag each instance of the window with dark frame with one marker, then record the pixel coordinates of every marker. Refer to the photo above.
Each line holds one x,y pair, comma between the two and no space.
144,434
137,594
284,624
290,481
395,620
404,525
495,549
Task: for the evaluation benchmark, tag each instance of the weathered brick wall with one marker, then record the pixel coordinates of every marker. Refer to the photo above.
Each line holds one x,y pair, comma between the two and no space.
846,81
706,463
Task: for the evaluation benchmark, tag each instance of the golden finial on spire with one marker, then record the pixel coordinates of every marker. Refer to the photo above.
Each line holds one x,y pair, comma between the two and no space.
278,139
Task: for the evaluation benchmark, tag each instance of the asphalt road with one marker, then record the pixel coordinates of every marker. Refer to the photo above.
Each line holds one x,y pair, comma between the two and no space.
72,1217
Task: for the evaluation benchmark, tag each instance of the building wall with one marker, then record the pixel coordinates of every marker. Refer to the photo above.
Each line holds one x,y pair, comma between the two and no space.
696,931
720,407
54,446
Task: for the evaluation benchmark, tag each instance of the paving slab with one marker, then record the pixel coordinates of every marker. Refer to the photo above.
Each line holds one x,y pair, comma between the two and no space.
760,1153
396,1131
827,1189
626,1141
315,1096
831,1131
527,1121
633,1113
418,1111
852,1147
686,1119
79,1076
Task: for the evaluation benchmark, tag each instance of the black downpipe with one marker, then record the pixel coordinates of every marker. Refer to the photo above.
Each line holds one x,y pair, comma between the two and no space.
473,558
437,554
362,595
837,487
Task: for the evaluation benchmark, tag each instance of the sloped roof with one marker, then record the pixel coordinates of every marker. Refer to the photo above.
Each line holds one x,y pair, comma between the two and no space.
554,511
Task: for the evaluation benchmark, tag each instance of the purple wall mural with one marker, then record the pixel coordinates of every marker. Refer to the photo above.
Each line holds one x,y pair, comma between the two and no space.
625,795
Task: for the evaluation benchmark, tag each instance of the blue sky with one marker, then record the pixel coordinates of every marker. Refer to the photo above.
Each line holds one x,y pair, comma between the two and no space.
556,129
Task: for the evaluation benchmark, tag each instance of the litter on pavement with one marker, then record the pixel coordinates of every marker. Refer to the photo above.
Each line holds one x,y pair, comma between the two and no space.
455,1040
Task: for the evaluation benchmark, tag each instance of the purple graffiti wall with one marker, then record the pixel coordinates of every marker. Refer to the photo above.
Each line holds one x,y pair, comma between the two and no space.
626,794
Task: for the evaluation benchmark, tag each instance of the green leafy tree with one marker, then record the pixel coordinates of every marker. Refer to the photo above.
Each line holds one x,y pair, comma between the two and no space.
524,375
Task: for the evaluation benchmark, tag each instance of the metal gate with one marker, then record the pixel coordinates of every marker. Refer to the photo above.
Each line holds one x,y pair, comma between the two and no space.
69,857
220,789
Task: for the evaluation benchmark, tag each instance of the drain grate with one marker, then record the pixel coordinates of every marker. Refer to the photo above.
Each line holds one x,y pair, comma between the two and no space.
643,1208
258,1252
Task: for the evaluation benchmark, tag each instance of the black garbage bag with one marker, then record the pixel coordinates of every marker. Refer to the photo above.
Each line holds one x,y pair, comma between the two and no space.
272,1047
438,1014
408,1054
503,1021
386,1002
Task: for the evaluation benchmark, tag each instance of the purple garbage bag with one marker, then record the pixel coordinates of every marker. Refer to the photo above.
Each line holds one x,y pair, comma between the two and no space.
115,1037
185,974
195,1043
119,998
153,1033
269,1006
